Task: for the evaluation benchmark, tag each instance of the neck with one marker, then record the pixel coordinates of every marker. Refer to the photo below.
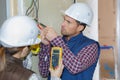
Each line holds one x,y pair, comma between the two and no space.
69,37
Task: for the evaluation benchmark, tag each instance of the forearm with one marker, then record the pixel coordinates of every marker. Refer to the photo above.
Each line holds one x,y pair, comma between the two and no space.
44,59
73,63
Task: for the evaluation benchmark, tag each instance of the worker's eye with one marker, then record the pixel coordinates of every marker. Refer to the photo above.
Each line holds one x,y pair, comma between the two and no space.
68,22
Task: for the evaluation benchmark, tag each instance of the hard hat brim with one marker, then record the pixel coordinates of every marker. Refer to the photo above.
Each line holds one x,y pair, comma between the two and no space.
8,45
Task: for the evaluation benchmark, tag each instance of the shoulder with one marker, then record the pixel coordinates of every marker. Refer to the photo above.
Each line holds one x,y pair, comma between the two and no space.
91,41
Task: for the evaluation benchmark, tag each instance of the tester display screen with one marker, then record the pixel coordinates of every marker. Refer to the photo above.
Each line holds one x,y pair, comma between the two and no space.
55,58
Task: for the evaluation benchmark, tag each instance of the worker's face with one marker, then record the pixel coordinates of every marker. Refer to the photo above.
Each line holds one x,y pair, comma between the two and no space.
70,27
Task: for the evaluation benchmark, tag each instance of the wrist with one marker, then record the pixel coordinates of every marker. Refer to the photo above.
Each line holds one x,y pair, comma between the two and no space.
53,37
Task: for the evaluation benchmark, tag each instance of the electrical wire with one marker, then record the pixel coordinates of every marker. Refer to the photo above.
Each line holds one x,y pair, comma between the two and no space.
30,9
33,6
74,1
36,6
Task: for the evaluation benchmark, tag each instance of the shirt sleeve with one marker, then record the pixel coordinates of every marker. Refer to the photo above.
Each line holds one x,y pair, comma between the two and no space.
44,60
85,57
34,77
27,63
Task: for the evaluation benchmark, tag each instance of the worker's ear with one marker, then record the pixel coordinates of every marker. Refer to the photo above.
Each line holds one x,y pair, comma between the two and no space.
80,28
25,52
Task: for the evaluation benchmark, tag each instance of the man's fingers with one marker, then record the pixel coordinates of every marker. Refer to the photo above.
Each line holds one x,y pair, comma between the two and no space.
40,27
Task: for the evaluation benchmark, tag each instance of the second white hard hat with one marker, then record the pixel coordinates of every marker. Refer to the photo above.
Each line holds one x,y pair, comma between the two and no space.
19,31
81,12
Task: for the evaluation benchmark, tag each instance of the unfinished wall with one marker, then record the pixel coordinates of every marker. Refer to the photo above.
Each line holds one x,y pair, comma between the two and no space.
107,38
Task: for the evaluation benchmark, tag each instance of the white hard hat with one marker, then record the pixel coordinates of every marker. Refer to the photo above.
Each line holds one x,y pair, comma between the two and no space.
19,31
81,12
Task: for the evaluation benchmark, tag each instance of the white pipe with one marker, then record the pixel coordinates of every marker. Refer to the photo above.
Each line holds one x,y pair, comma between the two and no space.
11,8
8,8
118,38
21,7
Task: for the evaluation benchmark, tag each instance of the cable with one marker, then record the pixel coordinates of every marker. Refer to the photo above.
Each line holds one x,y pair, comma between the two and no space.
29,10
36,6
33,6
74,1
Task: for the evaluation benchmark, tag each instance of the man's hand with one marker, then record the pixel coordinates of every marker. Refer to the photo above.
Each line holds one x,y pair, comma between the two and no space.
47,34
51,34
58,71
43,36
